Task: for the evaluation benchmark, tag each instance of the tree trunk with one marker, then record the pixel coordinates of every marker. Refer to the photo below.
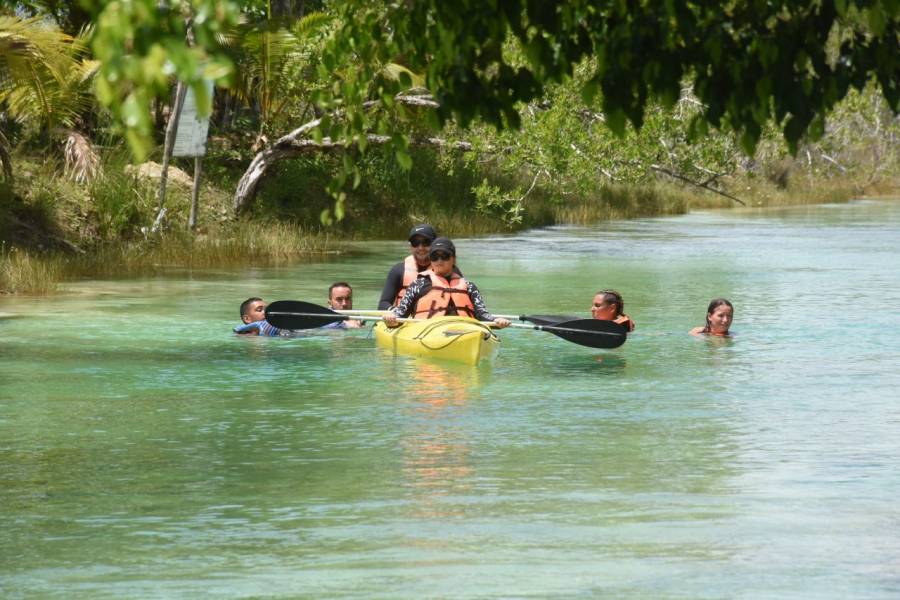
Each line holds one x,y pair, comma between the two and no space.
282,8
171,132
195,193
6,163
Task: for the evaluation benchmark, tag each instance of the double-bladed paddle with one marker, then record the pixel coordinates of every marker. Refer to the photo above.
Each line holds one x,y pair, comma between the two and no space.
295,314
536,319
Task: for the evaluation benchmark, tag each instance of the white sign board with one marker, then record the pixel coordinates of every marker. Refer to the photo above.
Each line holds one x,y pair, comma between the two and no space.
191,137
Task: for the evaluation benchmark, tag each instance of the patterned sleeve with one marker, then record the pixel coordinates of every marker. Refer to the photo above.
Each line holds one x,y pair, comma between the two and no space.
259,328
412,295
481,311
267,328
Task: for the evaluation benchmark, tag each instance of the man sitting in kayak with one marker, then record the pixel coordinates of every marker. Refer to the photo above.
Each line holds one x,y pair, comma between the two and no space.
441,291
609,306
404,273
340,297
253,315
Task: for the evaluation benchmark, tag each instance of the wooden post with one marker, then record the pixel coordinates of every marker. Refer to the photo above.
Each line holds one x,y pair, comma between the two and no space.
195,193
171,132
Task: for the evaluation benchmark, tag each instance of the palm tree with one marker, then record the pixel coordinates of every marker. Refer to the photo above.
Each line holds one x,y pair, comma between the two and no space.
43,80
269,56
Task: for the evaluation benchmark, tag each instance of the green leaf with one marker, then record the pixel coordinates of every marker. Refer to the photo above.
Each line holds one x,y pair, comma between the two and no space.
877,20
403,159
615,120
589,91
841,7
748,143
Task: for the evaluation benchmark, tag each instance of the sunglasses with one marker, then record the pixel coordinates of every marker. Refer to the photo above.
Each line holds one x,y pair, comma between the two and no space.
434,256
417,242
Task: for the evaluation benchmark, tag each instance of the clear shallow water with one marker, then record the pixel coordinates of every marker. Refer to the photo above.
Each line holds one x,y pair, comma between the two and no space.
147,453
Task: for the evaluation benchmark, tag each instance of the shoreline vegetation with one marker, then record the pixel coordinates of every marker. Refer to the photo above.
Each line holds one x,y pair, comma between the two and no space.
324,128
44,257
59,223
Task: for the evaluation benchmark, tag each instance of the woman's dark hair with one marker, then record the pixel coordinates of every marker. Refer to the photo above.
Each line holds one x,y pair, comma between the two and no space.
713,305
613,297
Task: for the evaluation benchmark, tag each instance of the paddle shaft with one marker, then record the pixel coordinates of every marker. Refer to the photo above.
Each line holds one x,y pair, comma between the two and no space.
363,314
552,328
378,313
344,315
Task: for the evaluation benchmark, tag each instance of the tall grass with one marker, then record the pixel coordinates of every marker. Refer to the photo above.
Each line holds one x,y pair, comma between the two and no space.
232,245
248,243
625,202
22,273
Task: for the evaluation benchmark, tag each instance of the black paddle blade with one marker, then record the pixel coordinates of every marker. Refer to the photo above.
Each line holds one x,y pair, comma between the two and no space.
547,319
589,332
294,314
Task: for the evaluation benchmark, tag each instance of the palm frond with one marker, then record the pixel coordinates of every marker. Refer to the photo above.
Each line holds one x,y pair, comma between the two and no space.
268,56
40,70
311,24
82,161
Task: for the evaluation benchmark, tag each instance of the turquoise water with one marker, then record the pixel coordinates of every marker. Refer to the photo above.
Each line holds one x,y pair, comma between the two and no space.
147,453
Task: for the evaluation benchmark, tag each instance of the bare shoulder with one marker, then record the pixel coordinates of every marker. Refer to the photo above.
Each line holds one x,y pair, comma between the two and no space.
697,331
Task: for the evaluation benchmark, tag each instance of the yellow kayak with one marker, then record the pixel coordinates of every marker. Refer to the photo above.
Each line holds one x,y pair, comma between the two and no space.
459,339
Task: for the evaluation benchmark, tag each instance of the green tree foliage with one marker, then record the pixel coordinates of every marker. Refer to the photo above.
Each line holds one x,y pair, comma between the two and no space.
142,44
45,81
274,61
751,61
39,67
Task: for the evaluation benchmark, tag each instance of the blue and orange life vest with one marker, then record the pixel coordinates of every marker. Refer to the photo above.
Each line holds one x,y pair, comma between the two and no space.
436,301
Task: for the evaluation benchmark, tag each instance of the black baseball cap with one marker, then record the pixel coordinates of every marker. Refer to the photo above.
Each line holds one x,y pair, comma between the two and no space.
422,230
444,244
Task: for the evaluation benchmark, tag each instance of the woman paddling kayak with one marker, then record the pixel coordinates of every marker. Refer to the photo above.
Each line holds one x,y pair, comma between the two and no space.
440,291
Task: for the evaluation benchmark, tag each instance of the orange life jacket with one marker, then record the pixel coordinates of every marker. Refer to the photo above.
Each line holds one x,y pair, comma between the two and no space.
626,321
410,273
436,301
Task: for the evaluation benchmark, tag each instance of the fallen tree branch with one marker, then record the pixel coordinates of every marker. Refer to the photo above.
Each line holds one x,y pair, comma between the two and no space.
297,143
698,184
834,162
289,147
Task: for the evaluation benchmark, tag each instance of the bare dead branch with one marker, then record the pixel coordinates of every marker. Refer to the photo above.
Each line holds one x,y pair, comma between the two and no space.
681,177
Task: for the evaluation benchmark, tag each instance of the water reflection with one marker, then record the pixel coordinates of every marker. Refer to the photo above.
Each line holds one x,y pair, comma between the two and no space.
435,443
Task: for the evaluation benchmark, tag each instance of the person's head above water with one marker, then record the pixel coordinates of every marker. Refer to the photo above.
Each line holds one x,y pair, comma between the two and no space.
340,296
252,310
607,305
719,315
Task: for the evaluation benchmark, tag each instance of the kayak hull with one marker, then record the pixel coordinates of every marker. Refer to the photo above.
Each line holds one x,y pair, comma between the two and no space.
457,339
